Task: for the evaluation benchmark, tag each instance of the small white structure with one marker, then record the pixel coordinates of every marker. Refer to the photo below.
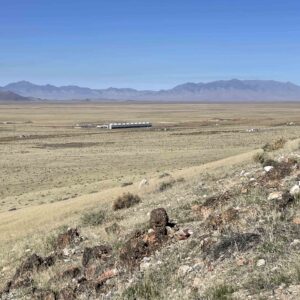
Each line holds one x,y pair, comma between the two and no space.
129,125
252,130
102,126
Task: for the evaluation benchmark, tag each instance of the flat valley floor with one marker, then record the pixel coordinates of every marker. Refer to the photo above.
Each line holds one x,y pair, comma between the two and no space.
46,157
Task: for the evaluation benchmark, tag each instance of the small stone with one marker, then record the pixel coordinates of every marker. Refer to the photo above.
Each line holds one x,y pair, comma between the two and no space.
241,261
296,221
244,190
275,196
183,234
196,208
295,190
268,168
66,252
295,242
144,266
150,230
198,266
4,269
197,282
183,270
260,263
170,231
146,259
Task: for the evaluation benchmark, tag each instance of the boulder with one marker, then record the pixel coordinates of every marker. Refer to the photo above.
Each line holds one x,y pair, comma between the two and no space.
159,220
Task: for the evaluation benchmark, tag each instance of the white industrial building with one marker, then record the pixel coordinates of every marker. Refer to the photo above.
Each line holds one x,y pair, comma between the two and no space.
129,125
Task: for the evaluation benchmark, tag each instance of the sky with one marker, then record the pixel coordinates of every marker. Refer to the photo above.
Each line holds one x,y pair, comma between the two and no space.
148,44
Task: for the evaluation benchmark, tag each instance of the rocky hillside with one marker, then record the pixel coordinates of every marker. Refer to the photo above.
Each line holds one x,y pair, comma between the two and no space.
232,234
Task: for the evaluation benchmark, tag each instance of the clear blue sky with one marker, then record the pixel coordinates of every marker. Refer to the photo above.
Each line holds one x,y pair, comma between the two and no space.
148,44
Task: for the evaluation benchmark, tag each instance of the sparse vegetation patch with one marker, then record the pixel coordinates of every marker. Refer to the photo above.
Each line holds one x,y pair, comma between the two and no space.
94,218
125,201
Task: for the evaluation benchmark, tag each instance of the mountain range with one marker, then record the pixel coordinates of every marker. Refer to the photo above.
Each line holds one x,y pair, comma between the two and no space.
223,91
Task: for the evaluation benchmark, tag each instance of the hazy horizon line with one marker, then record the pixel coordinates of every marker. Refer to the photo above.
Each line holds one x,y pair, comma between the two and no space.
143,89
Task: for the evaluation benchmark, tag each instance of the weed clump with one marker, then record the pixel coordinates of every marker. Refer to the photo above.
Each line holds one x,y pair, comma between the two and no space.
165,185
276,145
260,157
125,201
126,184
94,218
220,292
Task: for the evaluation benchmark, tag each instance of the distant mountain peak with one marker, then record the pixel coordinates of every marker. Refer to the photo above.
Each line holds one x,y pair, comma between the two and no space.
10,96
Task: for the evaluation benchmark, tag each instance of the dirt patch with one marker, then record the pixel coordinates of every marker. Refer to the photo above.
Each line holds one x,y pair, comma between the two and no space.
210,132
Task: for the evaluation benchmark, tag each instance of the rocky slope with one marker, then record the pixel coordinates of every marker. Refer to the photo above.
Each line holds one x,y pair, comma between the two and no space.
229,235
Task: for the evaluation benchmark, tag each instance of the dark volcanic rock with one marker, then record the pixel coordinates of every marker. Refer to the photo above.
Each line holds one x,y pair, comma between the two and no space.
159,220
71,272
286,201
102,252
23,275
142,244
